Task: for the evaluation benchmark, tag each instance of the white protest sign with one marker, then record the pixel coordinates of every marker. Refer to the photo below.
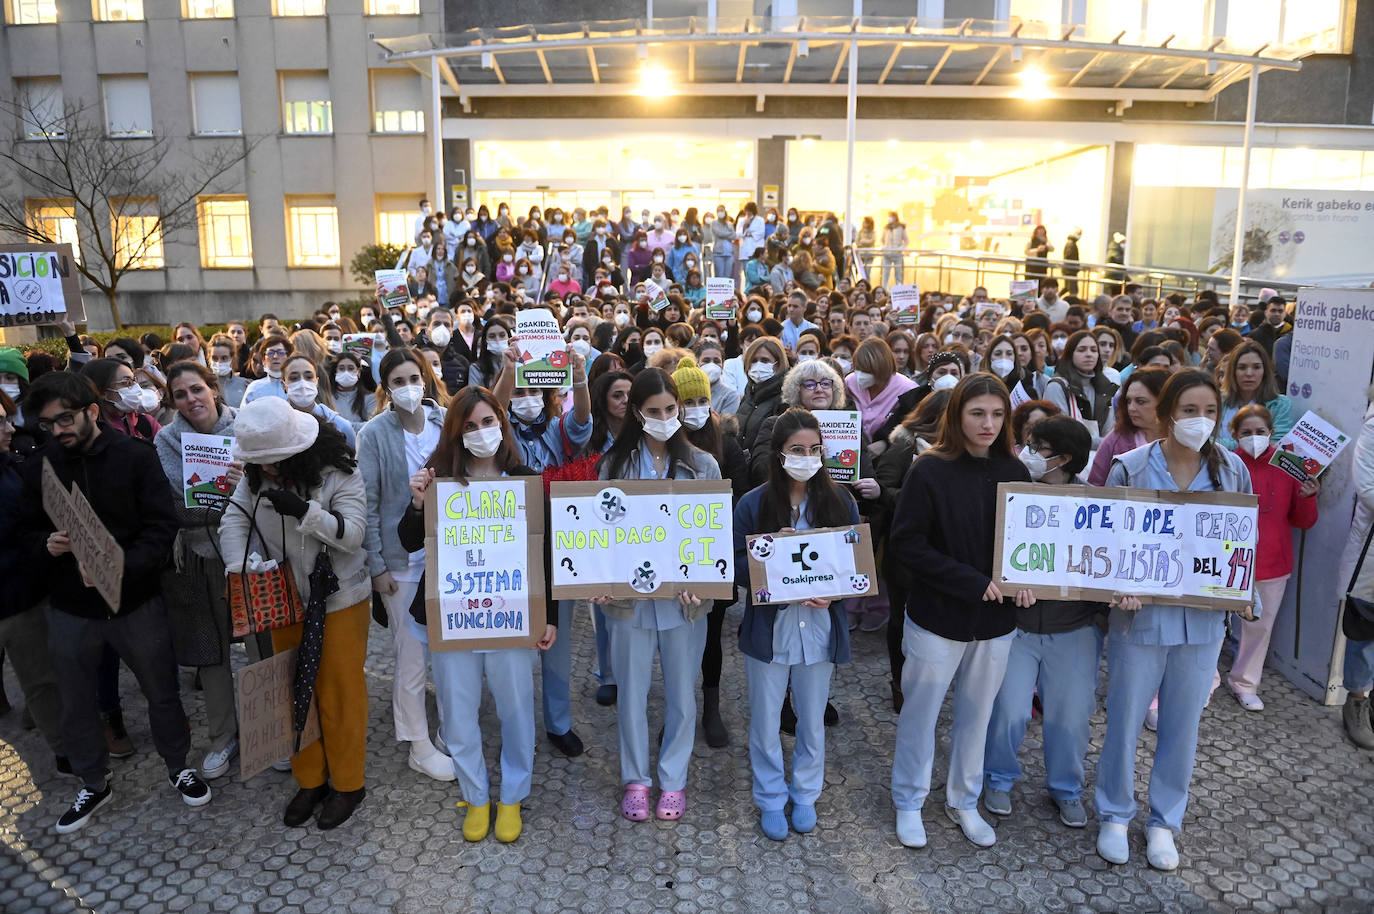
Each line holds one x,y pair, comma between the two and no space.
906,303
484,563
642,538
392,288
39,284
543,351
205,463
656,295
840,433
831,562
1022,290
1309,447
720,298
1088,543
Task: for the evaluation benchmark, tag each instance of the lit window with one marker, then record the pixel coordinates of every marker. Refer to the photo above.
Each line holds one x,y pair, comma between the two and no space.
396,215
119,11
55,220
312,228
393,7
397,102
215,104
137,229
225,239
305,106
298,8
33,12
43,112
128,107
208,9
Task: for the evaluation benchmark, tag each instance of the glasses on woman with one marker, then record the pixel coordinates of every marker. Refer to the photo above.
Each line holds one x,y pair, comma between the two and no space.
818,384
276,352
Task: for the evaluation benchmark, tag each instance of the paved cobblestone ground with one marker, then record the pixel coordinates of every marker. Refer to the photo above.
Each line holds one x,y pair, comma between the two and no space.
1282,819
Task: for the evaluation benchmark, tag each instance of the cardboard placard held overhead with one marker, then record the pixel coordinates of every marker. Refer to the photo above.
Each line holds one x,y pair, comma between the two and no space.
39,284
98,555
1089,543
205,463
266,732
484,563
642,539
826,563
842,432
906,303
543,351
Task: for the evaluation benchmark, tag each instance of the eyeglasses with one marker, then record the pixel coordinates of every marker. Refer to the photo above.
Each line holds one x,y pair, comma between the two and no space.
275,352
122,384
818,383
61,420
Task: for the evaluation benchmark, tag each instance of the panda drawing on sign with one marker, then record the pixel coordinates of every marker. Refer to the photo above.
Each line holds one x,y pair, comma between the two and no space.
761,548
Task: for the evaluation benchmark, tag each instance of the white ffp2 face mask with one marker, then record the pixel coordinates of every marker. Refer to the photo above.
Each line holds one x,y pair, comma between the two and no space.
1193,431
945,382
483,442
661,429
864,379
408,398
1002,367
801,468
1034,463
711,370
1255,445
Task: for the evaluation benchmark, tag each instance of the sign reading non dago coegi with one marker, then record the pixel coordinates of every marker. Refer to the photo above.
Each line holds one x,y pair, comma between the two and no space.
484,563
1088,543
638,539
39,284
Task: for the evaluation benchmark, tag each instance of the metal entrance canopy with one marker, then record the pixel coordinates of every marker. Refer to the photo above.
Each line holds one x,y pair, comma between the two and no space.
804,56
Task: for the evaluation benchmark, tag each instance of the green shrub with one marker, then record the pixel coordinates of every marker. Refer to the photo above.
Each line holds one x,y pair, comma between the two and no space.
374,257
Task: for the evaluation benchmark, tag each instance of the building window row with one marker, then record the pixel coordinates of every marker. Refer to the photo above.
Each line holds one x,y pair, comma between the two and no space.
216,109
37,12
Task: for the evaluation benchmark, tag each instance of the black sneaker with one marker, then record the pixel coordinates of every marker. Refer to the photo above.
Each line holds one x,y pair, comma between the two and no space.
87,802
567,743
194,791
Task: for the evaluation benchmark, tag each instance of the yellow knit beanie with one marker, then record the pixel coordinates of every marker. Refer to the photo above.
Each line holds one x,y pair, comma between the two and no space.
691,381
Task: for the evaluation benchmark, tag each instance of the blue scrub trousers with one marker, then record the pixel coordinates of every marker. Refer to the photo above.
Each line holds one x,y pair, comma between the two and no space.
1065,667
810,689
555,666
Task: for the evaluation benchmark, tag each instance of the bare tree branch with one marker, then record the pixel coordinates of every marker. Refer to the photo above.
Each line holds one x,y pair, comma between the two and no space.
107,182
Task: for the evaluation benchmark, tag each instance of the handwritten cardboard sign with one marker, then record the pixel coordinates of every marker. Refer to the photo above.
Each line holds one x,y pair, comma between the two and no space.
543,351
720,298
484,563
98,554
1311,446
827,563
642,539
205,463
1088,543
39,284
841,431
266,731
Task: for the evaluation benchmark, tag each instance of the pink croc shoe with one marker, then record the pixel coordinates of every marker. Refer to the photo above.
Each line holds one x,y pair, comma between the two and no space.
671,804
635,804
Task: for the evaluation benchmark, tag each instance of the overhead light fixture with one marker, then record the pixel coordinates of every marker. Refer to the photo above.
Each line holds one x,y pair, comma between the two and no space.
1016,53
803,48
1035,84
642,51
655,80
487,60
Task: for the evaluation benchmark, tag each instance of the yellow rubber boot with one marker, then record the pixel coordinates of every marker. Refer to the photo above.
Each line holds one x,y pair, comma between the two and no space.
508,822
477,823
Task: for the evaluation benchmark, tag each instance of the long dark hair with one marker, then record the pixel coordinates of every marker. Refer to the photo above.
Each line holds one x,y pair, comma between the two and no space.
1154,380
1179,383
365,385
450,457
648,383
826,504
305,471
601,417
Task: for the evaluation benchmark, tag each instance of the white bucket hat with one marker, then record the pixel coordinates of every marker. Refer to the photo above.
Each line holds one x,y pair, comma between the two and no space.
270,429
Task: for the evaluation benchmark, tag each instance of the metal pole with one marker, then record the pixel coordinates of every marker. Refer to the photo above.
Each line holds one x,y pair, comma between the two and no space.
851,110
1244,183
436,129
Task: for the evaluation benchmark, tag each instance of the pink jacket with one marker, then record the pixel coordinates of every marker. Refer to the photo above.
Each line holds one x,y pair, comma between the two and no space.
1112,446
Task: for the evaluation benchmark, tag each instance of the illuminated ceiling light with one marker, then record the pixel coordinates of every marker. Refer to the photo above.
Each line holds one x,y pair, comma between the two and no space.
1016,53
893,144
1035,84
487,60
741,144
808,141
1059,146
655,80
642,51
803,48
977,145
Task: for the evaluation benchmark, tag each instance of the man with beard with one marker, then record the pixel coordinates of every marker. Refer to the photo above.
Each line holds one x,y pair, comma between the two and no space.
1121,318
122,479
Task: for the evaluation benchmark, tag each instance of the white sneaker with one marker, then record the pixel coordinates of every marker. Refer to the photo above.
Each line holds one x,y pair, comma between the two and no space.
1249,701
283,765
1113,844
435,765
1159,848
1152,719
911,831
975,828
216,764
